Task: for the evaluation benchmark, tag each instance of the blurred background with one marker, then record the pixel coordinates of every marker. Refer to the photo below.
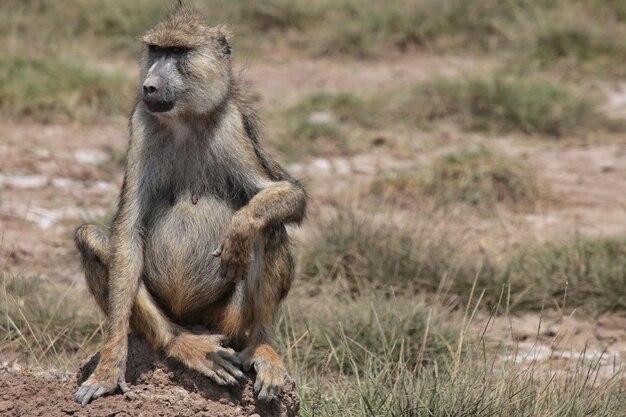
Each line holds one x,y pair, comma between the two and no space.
465,250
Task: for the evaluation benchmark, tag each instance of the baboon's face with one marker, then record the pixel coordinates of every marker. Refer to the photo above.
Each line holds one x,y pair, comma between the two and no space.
164,83
186,66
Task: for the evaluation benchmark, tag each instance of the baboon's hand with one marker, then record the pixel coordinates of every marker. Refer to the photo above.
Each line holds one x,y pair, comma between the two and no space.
236,252
99,384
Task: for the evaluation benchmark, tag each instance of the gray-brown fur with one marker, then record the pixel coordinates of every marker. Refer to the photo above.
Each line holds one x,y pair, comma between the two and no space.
199,237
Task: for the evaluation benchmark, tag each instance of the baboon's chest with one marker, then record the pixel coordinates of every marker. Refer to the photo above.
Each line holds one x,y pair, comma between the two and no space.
190,171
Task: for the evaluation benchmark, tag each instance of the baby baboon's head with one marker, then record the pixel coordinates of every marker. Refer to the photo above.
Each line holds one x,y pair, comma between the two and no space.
186,65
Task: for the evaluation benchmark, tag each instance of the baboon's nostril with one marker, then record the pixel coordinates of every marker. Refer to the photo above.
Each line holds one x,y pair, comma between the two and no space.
148,89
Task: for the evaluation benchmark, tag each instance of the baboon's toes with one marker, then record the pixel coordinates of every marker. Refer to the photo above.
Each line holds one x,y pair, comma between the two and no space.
89,392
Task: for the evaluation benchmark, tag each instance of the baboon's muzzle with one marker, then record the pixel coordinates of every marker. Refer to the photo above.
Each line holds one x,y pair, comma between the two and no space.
156,91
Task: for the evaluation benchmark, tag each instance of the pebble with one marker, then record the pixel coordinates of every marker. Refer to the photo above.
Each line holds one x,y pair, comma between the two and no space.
320,164
131,396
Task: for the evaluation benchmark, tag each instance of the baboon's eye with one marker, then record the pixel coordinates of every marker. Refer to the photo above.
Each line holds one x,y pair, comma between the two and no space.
154,48
177,50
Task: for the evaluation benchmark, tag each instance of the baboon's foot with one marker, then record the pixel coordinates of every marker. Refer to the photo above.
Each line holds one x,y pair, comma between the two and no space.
205,354
104,380
270,370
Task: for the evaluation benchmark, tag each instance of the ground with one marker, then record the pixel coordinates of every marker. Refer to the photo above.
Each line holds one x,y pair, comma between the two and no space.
161,387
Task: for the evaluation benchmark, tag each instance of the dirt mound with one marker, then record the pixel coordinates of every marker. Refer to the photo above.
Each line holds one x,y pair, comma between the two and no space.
158,387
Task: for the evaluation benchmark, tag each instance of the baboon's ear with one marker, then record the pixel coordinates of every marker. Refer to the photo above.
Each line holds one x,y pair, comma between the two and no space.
223,36
225,44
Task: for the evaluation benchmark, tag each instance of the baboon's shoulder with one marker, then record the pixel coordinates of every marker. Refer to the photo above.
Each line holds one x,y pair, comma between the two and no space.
252,127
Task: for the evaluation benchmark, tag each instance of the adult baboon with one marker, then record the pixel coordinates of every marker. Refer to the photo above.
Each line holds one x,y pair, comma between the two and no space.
199,236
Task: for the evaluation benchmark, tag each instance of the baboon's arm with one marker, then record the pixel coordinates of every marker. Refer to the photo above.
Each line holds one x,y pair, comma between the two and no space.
277,202
124,275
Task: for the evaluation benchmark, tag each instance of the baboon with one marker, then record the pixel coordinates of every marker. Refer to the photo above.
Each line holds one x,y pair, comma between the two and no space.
199,238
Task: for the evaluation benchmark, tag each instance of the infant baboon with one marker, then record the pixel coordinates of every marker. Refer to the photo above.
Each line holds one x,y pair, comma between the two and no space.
199,235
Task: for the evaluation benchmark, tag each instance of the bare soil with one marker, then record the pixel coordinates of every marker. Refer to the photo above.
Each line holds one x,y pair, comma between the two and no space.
158,387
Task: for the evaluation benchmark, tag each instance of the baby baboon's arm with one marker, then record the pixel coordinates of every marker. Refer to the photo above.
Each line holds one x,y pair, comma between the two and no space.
124,275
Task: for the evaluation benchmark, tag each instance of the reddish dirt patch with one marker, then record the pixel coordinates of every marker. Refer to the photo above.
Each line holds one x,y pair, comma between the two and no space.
158,387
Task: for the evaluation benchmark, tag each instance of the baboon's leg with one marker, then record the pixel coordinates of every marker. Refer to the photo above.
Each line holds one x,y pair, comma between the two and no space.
257,311
200,352
93,246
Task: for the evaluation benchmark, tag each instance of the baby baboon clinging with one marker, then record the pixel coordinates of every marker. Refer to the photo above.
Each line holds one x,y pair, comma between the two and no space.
199,236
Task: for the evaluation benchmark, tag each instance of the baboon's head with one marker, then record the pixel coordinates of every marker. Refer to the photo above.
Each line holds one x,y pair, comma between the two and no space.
186,65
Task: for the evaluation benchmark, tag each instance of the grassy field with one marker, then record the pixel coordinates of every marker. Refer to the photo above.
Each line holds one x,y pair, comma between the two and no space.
457,171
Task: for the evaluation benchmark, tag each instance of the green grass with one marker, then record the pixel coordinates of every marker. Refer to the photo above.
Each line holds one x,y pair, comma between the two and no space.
356,249
584,272
493,103
320,124
388,388
586,33
585,39
483,179
45,89
410,330
382,355
475,177
500,103
580,36
379,354
45,325
353,248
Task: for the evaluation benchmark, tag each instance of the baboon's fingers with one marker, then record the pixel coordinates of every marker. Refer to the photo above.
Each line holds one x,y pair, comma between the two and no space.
232,369
223,373
228,351
218,251
230,356
214,376
246,363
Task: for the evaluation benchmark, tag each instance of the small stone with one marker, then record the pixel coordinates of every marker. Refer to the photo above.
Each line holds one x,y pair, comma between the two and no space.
131,396
296,168
321,118
342,167
321,165
90,157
